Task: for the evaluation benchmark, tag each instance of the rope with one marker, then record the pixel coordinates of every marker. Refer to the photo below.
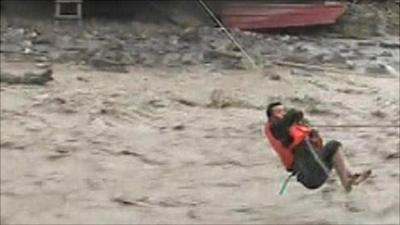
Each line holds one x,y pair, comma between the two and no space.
356,126
230,36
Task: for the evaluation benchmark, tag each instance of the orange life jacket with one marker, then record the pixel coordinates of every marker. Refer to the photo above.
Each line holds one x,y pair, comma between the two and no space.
286,154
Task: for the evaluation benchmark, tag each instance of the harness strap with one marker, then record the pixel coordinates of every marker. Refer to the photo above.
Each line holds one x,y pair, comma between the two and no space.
285,183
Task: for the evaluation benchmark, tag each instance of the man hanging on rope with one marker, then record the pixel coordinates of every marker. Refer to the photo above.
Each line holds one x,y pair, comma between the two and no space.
302,152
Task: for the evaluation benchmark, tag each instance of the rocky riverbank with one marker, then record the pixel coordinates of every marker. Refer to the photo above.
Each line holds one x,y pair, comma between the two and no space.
111,46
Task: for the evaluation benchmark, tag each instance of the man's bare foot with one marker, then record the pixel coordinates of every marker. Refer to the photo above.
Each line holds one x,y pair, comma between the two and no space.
356,179
360,177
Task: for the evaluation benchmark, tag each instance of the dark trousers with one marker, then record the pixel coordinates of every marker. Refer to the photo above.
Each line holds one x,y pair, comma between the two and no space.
307,169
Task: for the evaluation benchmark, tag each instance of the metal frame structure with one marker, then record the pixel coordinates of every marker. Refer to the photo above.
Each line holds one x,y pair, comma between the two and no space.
58,12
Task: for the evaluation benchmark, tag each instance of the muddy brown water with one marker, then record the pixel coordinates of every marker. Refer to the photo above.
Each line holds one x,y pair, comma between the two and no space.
103,148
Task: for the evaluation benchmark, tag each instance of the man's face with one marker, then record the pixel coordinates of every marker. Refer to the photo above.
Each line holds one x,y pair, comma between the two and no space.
279,111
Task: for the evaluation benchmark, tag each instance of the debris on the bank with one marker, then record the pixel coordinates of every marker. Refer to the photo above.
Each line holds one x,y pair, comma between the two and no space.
28,78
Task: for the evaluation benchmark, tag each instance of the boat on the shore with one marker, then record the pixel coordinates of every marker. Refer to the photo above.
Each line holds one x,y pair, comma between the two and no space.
259,16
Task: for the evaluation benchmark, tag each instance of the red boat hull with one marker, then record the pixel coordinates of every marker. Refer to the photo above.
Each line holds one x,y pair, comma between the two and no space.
269,16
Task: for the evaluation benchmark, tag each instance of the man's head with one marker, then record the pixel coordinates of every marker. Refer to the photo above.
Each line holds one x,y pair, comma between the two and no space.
275,110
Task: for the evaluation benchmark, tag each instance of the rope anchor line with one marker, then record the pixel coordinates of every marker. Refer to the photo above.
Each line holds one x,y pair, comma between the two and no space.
230,36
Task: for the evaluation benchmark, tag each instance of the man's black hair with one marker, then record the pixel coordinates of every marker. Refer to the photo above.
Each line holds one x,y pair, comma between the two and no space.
270,107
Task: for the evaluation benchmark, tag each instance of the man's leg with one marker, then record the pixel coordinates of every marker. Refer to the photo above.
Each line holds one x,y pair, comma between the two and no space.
341,165
308,171
342,169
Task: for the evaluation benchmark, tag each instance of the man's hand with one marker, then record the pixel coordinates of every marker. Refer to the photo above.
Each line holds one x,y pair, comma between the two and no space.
316,139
